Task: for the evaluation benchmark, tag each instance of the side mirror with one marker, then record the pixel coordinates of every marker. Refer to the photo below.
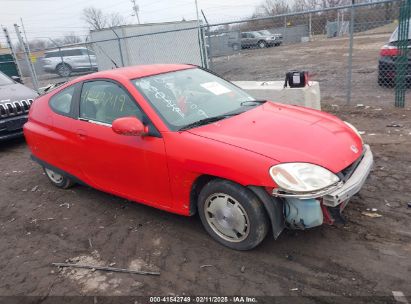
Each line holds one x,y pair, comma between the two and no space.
16,79
129,126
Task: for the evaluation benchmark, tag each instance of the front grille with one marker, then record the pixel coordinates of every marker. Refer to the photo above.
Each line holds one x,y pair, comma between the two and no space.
15,108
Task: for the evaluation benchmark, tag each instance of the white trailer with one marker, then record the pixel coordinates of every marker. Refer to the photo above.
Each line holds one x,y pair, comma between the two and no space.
170,42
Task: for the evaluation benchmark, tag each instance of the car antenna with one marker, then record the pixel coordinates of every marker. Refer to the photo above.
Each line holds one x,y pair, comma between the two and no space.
111,59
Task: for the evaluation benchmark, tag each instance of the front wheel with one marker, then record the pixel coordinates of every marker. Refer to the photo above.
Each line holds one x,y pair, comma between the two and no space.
232,215
58,179
262,44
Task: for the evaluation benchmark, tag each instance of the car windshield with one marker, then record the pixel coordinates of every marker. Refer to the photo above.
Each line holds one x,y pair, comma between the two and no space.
5,80
191,96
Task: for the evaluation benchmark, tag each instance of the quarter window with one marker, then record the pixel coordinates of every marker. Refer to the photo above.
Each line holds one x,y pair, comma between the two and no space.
61,102
104,101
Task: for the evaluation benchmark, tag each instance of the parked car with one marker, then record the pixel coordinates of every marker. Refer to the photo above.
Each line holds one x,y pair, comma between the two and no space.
15,102
255,39
388,56
278,37
68,60
181,139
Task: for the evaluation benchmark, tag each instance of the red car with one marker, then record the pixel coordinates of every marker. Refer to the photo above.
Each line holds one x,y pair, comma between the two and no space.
181,139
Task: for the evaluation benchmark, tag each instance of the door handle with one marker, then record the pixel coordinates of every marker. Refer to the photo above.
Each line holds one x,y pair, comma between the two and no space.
81,134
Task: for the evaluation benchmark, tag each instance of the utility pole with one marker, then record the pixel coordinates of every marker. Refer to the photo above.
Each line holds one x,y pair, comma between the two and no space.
27,56
136,9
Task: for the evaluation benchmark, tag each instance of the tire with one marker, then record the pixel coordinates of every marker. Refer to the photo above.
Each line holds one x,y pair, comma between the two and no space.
63,70
57,179
262,44
232,215
236,47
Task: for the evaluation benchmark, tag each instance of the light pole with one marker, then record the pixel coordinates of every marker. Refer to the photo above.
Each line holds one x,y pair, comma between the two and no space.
136,9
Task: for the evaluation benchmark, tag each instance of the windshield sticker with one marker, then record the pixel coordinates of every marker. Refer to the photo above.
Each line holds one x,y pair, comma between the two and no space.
215,88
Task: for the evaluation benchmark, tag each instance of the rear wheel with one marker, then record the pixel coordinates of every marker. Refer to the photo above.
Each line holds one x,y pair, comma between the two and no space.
63,69
232,215
58,179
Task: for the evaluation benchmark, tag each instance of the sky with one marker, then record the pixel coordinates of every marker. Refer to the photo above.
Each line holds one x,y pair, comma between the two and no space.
56,18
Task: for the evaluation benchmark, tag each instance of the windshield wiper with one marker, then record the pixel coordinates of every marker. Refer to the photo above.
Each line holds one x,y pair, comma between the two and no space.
207,120
251,103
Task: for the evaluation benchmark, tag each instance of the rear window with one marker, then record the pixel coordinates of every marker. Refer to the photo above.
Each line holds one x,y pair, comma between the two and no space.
65,53
394,36
87,52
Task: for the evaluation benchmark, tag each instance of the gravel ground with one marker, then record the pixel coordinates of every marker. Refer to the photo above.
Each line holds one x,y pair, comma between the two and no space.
41,224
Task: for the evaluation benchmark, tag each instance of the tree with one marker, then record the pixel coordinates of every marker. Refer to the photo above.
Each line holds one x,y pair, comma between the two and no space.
275,7
97,20
71,39
115,19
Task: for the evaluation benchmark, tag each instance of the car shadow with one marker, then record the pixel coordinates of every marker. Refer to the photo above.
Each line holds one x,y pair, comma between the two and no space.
11,144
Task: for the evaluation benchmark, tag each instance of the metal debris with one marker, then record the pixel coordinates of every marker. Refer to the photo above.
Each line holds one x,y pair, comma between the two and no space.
203,266
34,188
369,214
394,125
111,269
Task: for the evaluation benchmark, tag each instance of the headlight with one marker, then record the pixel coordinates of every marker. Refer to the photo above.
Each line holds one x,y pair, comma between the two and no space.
355,130
302,177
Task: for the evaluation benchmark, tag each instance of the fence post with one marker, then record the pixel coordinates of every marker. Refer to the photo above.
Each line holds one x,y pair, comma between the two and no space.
119,47
210,51
401,64
310,26
350,53
27,57
61,54
13,53
88,54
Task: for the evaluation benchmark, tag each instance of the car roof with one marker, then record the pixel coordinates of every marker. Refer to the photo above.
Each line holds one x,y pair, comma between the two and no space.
137,71
66,49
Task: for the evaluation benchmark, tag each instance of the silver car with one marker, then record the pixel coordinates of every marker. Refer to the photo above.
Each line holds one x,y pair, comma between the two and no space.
67,60
256,39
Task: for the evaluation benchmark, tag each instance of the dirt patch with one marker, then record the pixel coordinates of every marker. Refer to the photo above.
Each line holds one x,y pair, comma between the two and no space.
366,256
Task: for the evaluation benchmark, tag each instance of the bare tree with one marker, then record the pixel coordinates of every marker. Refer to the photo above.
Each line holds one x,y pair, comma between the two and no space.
95,18
71,38
275,7
115,19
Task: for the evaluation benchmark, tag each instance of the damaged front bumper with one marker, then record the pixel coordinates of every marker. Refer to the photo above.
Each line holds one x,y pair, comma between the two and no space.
308,210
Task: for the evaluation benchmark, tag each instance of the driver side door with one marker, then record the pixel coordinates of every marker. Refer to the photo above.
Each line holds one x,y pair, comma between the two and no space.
133,167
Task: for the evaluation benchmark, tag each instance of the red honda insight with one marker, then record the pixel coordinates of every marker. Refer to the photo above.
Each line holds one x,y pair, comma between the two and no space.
182,139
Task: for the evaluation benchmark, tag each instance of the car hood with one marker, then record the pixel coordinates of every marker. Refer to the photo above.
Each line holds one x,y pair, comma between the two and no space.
289,134
16,92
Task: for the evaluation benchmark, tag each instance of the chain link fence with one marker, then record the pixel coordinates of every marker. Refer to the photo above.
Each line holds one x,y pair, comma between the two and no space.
352,51
356,52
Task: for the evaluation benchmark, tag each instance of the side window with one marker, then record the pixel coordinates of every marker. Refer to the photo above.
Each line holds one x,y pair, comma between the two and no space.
61,102
104,101
243,35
